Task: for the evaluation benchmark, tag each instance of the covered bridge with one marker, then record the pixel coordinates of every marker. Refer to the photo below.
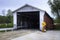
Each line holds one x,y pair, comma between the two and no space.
31,17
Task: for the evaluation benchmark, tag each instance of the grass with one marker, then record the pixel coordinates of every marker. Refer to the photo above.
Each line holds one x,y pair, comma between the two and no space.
2,31
57,27
5,30
9,25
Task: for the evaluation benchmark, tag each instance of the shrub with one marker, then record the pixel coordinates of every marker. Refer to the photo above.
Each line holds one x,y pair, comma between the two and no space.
57,20
57,27
10,25
3,26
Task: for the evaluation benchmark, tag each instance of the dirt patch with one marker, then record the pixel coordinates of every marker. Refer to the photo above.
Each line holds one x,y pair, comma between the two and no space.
13,34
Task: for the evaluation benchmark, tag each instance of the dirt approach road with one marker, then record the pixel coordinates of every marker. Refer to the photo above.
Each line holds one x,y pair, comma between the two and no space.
30,35
13,34
49,35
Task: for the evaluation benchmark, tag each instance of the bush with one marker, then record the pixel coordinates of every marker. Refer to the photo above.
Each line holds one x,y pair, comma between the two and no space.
57,24
9,25
57,27
3,26
57,20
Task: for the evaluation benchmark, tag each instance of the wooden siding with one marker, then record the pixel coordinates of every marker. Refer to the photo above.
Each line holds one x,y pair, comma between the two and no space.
49,21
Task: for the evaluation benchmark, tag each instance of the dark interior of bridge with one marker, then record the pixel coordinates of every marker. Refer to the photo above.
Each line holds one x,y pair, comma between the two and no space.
28,20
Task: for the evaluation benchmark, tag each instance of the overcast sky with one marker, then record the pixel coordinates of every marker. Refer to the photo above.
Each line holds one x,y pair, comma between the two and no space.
14,4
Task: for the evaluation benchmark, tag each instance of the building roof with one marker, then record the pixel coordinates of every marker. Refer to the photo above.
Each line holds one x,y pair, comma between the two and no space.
48,16
25,6
32,7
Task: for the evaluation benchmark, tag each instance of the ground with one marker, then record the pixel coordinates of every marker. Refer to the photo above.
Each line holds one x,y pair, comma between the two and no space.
13,34
30,35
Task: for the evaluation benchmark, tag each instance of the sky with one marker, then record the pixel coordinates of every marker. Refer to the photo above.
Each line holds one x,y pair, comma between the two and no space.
14,4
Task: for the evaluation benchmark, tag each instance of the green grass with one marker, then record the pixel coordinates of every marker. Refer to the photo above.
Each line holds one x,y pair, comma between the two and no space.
6,31
2,31
9,25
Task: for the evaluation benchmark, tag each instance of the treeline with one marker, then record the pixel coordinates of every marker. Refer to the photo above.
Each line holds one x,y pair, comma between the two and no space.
6,21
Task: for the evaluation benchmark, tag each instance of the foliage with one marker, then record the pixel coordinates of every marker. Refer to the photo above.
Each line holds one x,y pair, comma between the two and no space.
9,13
6,21
9,19
3,26
2,19
57,27
9,25
55,7
57,20
2,31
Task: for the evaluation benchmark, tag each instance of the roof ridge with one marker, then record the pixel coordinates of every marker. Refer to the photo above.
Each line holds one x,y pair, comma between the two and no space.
26,5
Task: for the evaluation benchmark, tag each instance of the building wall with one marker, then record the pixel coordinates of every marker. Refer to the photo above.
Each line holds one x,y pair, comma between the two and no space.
41,18
48,21
15,20
28,9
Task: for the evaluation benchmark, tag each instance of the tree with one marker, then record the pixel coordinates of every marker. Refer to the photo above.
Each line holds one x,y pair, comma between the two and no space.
55,7
9,13
2,19
8,19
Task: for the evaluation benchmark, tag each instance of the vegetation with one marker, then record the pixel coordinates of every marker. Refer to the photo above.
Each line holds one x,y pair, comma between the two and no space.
55,7
56,20
9,13
57,27
6,21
